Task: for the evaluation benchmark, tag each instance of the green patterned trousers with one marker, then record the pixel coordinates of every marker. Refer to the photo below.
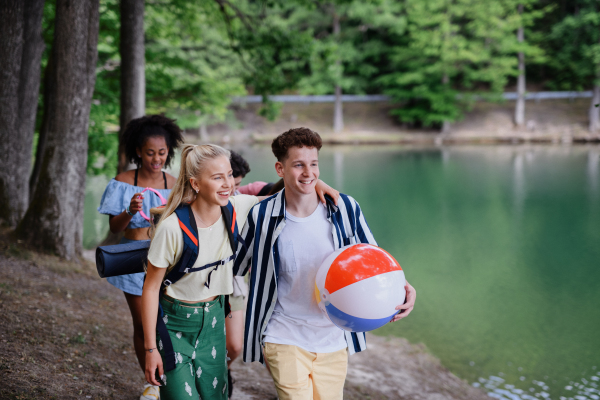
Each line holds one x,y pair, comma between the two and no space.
197,332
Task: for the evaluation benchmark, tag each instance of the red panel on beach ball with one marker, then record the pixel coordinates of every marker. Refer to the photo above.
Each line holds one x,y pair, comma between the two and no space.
356,263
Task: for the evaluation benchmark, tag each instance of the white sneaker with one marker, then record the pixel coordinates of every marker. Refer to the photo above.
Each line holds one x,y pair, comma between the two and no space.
150,392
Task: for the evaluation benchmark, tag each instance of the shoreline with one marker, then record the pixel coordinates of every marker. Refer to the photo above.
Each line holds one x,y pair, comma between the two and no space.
442,139
547,122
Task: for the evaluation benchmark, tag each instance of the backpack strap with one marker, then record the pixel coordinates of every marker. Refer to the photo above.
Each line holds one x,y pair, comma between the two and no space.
187,223
165,339
230,218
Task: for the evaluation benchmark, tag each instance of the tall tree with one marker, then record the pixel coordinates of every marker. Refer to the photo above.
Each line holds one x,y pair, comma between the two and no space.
594,110
54,219
21,50
338,112
454,49
133,76
528,12
573,47
520,105
334,60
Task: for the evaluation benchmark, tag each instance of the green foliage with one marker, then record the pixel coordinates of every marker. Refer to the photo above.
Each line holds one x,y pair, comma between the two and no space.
274,52
573,46
331,54
452,47
103,140
270,109
191,71
276,56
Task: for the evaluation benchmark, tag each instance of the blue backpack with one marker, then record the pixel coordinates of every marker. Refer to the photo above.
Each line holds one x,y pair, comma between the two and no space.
187,222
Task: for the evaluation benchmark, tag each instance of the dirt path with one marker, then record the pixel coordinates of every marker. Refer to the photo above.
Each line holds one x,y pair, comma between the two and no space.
65,334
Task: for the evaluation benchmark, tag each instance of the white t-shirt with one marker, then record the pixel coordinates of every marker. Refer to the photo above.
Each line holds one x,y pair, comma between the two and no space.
297,319
167,246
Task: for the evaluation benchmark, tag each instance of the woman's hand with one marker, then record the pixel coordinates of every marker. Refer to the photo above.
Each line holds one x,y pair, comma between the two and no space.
409,304
136,203
153,362
322,189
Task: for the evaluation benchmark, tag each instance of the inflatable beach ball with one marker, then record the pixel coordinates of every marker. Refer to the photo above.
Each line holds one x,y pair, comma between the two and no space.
359,286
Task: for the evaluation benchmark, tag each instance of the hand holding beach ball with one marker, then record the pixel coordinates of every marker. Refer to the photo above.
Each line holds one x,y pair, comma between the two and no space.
359,287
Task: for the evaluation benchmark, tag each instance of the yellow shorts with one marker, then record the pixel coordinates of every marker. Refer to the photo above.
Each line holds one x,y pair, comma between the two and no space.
301,375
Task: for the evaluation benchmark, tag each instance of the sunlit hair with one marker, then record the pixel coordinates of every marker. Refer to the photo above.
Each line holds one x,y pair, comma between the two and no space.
193,159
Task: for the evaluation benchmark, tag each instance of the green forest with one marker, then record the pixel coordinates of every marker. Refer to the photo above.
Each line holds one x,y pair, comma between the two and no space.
432,57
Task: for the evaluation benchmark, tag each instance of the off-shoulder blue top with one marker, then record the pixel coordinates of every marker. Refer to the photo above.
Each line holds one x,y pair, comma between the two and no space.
117,196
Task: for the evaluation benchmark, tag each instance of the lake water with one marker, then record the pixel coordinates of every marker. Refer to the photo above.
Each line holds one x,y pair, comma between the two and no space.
502,244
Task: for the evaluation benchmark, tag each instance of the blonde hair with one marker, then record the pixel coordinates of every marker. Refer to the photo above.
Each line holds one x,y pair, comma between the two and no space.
193,159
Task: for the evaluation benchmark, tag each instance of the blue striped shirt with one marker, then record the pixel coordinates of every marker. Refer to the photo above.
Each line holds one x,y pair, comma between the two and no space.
259,250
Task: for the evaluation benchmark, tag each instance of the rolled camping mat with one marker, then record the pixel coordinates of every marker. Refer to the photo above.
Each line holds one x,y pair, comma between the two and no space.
122,259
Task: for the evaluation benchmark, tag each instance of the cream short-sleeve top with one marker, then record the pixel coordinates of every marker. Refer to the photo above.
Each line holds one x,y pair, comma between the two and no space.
167,246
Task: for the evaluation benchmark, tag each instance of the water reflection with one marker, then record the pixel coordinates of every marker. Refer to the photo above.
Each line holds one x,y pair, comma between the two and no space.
519,183
445,155
593,161
584,389
338,167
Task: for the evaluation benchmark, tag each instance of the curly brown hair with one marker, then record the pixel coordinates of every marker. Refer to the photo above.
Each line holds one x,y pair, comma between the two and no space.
140,129
296,137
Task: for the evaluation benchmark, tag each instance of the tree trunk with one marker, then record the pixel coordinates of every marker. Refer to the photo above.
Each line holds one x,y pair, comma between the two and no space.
30,85
54,219
594,112
520,106
49,88
338,112
133,78
21,50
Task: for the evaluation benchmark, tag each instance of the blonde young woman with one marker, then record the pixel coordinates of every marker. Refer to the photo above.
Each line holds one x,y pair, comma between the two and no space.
193,307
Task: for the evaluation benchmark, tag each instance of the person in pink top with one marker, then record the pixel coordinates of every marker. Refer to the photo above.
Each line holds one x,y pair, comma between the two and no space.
252,188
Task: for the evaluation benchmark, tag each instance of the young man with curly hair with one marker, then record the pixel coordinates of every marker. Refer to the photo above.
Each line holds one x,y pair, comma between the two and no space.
286,239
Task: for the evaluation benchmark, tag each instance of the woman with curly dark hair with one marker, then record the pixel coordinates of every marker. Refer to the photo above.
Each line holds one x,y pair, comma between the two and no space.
150,144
